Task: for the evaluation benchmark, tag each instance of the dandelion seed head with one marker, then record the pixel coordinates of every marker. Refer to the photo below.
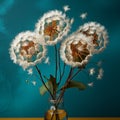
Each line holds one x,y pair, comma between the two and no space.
54,25
98,34
75,50
27,49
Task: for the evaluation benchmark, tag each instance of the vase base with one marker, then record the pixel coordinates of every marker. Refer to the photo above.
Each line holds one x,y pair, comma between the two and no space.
56,115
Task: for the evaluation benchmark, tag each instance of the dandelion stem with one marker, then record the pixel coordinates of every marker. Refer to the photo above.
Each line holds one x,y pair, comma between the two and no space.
39,72
76,73
70,74
59,67
66,83
62,74
56,64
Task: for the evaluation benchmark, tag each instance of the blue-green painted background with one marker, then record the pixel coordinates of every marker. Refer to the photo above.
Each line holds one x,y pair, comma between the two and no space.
17,99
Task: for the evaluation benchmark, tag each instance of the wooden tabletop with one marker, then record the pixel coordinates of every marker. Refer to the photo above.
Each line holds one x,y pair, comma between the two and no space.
100,118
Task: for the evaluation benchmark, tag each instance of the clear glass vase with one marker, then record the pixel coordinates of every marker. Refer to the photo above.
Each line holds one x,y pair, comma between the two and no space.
56,111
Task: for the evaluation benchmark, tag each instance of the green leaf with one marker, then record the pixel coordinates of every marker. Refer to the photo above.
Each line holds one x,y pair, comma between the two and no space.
43,89
53,81
75,84
51,85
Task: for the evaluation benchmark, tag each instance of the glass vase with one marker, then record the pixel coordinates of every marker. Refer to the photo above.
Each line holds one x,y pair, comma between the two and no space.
56,110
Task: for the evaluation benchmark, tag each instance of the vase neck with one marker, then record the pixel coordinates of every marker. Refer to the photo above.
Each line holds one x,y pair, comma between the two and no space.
55,104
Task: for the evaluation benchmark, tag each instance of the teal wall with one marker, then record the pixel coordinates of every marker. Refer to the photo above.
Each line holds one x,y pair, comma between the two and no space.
17,99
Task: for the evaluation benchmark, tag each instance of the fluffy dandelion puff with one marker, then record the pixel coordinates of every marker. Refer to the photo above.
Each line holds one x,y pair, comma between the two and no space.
98,33
54,25
27,49
75,50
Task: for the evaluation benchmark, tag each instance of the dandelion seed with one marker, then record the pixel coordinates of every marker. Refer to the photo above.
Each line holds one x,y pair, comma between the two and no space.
27,81
72,20
91,84
100,74
92,71
99,63
66,8
30,71
83,15
34,83
47,60
101,71
99,77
